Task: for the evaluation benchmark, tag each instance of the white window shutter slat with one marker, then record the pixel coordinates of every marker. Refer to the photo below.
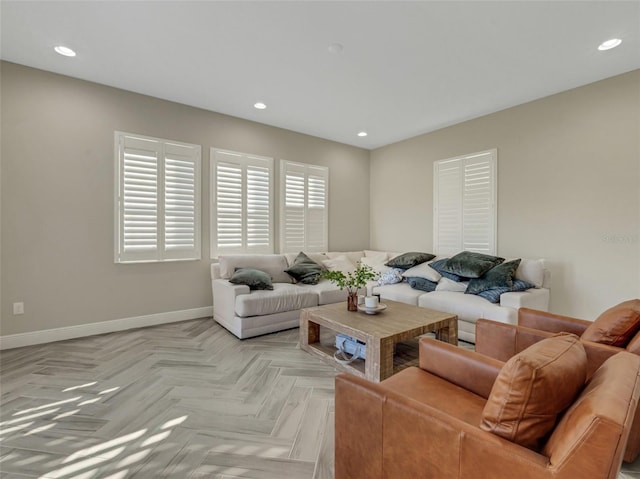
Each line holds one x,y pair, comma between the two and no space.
478,201
465,204
448,212
242,216
181,202
304,208
158,199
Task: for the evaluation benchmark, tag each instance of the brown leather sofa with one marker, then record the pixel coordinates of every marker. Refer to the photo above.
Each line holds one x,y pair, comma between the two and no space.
431,421
502,341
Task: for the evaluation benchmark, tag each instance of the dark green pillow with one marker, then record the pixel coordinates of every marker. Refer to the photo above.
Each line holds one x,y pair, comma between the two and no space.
409,260
471,265
500,276
304,270
254,278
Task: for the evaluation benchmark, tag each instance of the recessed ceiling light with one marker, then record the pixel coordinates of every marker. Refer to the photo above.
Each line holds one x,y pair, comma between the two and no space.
362,133
609,44
259,105
66,51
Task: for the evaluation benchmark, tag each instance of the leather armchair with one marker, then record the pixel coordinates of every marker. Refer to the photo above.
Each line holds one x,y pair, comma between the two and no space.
502,341
425,423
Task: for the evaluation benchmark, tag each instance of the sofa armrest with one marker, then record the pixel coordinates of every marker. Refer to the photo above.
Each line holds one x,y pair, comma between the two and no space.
358,423
381,433
554,323
471,371
534,298
224,298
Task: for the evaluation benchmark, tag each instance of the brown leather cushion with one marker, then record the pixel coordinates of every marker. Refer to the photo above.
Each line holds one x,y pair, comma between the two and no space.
533,387
634,344
616,326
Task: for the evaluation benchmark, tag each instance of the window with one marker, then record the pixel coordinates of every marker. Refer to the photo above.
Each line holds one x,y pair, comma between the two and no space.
304,210
242,203
465,209
157,199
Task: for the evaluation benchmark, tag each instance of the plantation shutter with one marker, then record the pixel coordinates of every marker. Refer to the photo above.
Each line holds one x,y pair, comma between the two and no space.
158,204
465,208
242,214
304,207
181,202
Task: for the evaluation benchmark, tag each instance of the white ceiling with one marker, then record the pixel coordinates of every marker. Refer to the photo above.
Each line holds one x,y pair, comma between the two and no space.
406,68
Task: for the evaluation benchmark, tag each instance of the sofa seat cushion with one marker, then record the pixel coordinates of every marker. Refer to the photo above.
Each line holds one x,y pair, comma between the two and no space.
468,307
533,388
284,297
401,292
327,292
438,393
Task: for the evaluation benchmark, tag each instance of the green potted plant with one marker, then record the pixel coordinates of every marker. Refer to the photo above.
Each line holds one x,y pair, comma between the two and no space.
353,281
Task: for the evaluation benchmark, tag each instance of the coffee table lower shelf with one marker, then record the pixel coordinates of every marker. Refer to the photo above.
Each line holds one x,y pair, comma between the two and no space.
391,337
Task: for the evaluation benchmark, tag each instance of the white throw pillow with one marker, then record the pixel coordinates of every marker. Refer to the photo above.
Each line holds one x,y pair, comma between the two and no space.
377,263
531,271
339,263
447,284
423,270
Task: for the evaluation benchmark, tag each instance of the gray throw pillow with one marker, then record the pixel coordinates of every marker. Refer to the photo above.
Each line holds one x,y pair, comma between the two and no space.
304,270
421,284
409,260
471,265
500,276
254,278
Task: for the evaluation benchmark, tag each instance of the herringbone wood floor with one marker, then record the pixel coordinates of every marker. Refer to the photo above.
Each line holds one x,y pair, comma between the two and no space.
184,400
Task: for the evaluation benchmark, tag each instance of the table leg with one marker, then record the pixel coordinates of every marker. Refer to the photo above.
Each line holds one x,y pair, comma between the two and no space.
379,363
448,333
309,332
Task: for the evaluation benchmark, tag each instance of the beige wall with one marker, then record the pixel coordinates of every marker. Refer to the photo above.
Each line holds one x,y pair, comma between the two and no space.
58,187
568,189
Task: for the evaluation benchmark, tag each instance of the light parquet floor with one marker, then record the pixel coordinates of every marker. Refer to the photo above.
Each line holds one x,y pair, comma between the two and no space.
183,400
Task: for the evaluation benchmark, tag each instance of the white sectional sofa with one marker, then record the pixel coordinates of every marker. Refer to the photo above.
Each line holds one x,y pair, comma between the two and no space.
247,313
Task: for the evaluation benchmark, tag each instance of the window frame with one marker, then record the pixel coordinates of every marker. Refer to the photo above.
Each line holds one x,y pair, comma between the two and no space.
244,161
464,208
167,151
307,170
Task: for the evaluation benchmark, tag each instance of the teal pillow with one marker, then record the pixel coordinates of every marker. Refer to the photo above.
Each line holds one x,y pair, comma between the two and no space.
409,260
254,278
304,270
471,265
500,276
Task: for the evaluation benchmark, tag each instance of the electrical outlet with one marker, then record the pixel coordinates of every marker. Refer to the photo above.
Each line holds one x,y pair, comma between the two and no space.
18,308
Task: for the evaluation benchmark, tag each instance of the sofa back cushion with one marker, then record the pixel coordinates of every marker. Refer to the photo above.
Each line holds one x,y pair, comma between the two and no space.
532,271
533,388
272,264
616,326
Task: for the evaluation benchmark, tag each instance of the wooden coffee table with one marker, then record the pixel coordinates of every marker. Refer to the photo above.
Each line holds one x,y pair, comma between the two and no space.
380,332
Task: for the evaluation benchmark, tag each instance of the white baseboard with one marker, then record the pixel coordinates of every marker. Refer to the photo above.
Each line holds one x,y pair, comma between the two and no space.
59,334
